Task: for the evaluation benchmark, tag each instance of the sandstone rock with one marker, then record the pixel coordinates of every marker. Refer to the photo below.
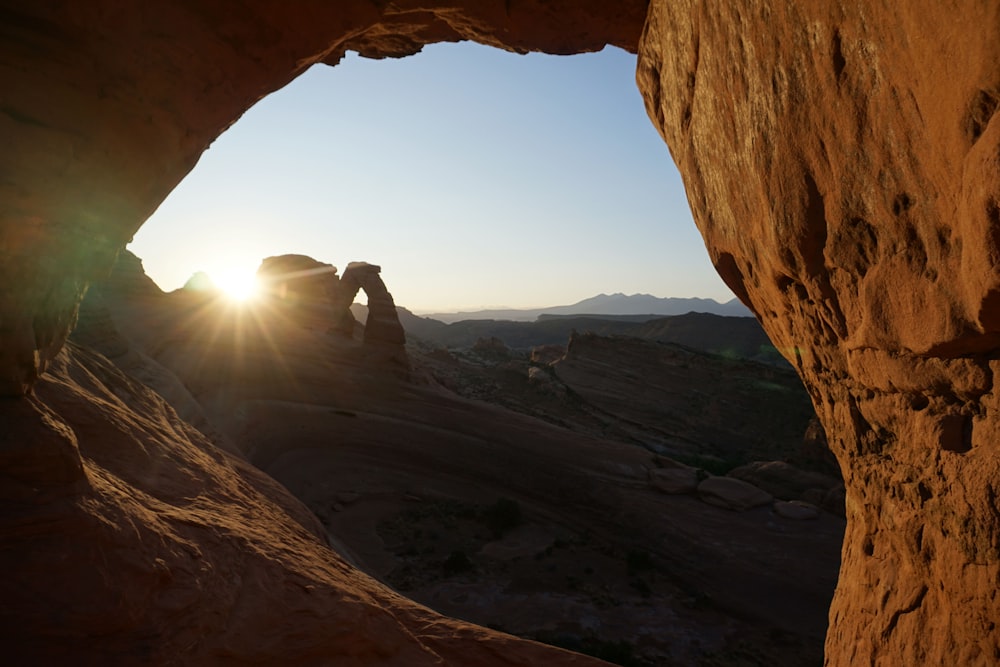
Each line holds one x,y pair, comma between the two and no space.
844,177
842,172
491,345
151,523
298,279
546,354
796,509
782,480
835,501
732,494
129,277
538,376
382,324
674,480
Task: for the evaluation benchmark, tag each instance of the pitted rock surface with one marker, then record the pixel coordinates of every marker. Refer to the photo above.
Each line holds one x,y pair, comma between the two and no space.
840,159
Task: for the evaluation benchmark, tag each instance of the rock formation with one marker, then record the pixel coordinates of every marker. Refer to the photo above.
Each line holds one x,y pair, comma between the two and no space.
314,291
129,539
844,174
297,278
382,324
840,159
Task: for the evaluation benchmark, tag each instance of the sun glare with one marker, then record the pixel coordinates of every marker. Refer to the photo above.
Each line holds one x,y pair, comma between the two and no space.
236,285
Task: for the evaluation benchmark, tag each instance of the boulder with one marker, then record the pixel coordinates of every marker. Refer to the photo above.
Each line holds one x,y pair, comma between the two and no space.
674,481
732,494
782,480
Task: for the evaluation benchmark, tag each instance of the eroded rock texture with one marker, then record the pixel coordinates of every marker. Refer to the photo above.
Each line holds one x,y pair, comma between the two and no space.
129,539
106,107
841,160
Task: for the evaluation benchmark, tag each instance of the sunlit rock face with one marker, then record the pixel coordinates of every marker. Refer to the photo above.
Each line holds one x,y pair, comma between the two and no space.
843,163
841,160
122,525
105,108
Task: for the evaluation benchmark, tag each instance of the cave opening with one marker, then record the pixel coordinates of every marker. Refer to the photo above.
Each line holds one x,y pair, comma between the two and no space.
475,177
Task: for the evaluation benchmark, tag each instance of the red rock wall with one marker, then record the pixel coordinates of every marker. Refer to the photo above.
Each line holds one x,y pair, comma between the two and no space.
843,163
841,160
107,105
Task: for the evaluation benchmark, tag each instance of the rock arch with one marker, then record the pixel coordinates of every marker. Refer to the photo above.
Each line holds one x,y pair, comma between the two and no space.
382,324
843,172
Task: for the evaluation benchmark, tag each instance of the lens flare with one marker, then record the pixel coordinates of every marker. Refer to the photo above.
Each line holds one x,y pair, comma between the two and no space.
237,285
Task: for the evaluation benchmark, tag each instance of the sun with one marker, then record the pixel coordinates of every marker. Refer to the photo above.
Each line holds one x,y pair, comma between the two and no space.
240,286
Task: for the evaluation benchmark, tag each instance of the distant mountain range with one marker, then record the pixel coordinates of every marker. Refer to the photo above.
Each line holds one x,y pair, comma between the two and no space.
607,304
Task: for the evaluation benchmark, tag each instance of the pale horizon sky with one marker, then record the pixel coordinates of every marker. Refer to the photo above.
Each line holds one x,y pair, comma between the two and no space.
475,177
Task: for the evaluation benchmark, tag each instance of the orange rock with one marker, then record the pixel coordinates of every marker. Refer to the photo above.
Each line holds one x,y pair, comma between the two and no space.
841,162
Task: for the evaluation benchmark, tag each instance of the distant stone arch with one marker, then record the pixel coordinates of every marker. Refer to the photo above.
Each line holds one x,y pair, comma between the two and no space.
382,324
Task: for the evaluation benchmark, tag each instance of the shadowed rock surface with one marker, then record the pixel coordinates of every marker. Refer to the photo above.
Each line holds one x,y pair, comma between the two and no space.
735,337
839,158
566,536
130,539
313,292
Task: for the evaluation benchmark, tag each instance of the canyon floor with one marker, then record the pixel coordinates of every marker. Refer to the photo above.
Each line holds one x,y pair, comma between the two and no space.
522,500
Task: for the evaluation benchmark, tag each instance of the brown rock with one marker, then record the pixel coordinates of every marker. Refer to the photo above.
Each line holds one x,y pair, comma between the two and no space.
108,108
674,480
119,519
547,354
732,494
840,161
782,480
298,278
843,172
382,324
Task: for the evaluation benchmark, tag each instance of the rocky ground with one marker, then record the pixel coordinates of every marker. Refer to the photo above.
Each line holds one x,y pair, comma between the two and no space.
523,500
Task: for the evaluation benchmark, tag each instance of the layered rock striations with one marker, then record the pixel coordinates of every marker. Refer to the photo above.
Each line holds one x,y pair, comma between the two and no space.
130,539
840,160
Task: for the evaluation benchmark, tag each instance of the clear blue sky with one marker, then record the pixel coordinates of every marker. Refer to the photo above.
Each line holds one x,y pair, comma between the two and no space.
474,177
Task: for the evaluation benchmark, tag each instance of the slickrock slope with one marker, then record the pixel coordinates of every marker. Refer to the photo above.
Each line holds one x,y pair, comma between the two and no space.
698,405
403,475
841,163
129,539
840,159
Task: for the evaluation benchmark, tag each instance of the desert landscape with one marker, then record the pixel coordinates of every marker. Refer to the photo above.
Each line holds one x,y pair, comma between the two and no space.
186,483
639,501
